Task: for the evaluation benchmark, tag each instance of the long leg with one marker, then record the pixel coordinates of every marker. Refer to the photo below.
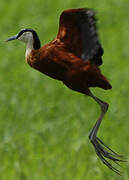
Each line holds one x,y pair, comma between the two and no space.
97,143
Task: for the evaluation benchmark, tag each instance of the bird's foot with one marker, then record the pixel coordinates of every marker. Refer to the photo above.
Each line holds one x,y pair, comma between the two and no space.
103,154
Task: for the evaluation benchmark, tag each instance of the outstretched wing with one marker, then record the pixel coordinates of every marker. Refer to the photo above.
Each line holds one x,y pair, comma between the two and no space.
77,29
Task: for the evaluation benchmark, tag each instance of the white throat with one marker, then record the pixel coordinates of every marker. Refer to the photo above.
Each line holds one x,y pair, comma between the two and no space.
29,47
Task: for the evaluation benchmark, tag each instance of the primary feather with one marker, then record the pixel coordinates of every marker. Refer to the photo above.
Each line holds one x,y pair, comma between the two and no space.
78,30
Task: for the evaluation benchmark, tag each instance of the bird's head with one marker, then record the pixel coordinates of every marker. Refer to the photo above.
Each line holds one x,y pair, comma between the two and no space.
29,36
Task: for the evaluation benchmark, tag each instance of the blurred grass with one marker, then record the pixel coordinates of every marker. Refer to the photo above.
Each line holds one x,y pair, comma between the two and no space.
44,126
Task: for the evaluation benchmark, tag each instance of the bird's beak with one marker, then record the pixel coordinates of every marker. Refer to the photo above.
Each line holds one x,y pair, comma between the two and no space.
12,38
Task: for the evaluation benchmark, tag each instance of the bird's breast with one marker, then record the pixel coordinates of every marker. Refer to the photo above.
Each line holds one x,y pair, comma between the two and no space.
46,66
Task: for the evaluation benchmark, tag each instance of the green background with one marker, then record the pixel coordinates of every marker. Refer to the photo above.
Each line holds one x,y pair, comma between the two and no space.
44,126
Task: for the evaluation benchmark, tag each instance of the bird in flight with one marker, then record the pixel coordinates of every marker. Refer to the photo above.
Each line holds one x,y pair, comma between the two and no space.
74,57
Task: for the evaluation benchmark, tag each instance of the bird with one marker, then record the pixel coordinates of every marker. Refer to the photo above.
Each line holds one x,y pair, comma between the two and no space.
74,57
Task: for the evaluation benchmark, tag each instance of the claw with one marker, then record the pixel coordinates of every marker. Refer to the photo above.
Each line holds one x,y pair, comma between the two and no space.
102,154
108,164
113,153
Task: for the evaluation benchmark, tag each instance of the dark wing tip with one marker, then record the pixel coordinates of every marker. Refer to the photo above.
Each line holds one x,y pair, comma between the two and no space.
90,12
92,49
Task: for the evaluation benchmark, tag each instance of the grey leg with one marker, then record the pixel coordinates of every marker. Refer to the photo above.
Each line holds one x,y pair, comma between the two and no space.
97,143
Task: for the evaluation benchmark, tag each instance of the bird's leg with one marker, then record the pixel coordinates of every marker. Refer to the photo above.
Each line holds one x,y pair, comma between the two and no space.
97,143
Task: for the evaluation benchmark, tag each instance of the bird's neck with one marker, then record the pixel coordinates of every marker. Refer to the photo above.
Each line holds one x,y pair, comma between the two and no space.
32,44
29,47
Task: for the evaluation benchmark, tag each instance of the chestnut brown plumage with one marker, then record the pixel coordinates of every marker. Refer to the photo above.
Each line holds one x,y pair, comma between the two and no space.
73,57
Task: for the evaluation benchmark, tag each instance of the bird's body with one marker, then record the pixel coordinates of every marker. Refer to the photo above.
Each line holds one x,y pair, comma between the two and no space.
73,57
56,61
62,59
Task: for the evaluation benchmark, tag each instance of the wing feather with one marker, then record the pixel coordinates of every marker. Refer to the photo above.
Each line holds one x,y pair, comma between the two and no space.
79,33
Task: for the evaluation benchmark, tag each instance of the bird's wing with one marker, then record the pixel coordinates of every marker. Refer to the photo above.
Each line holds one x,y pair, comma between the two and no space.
77,29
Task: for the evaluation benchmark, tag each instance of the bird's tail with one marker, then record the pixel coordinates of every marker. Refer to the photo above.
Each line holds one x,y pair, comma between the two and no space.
104,83
96,79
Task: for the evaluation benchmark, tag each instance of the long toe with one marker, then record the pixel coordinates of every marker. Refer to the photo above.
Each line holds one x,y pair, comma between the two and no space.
113,152
103,154
108,164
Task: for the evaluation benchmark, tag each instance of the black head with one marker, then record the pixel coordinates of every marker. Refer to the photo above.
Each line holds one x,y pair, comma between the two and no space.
27,35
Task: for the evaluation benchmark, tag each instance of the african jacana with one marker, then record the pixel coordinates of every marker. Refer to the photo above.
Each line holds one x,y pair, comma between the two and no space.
73,57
